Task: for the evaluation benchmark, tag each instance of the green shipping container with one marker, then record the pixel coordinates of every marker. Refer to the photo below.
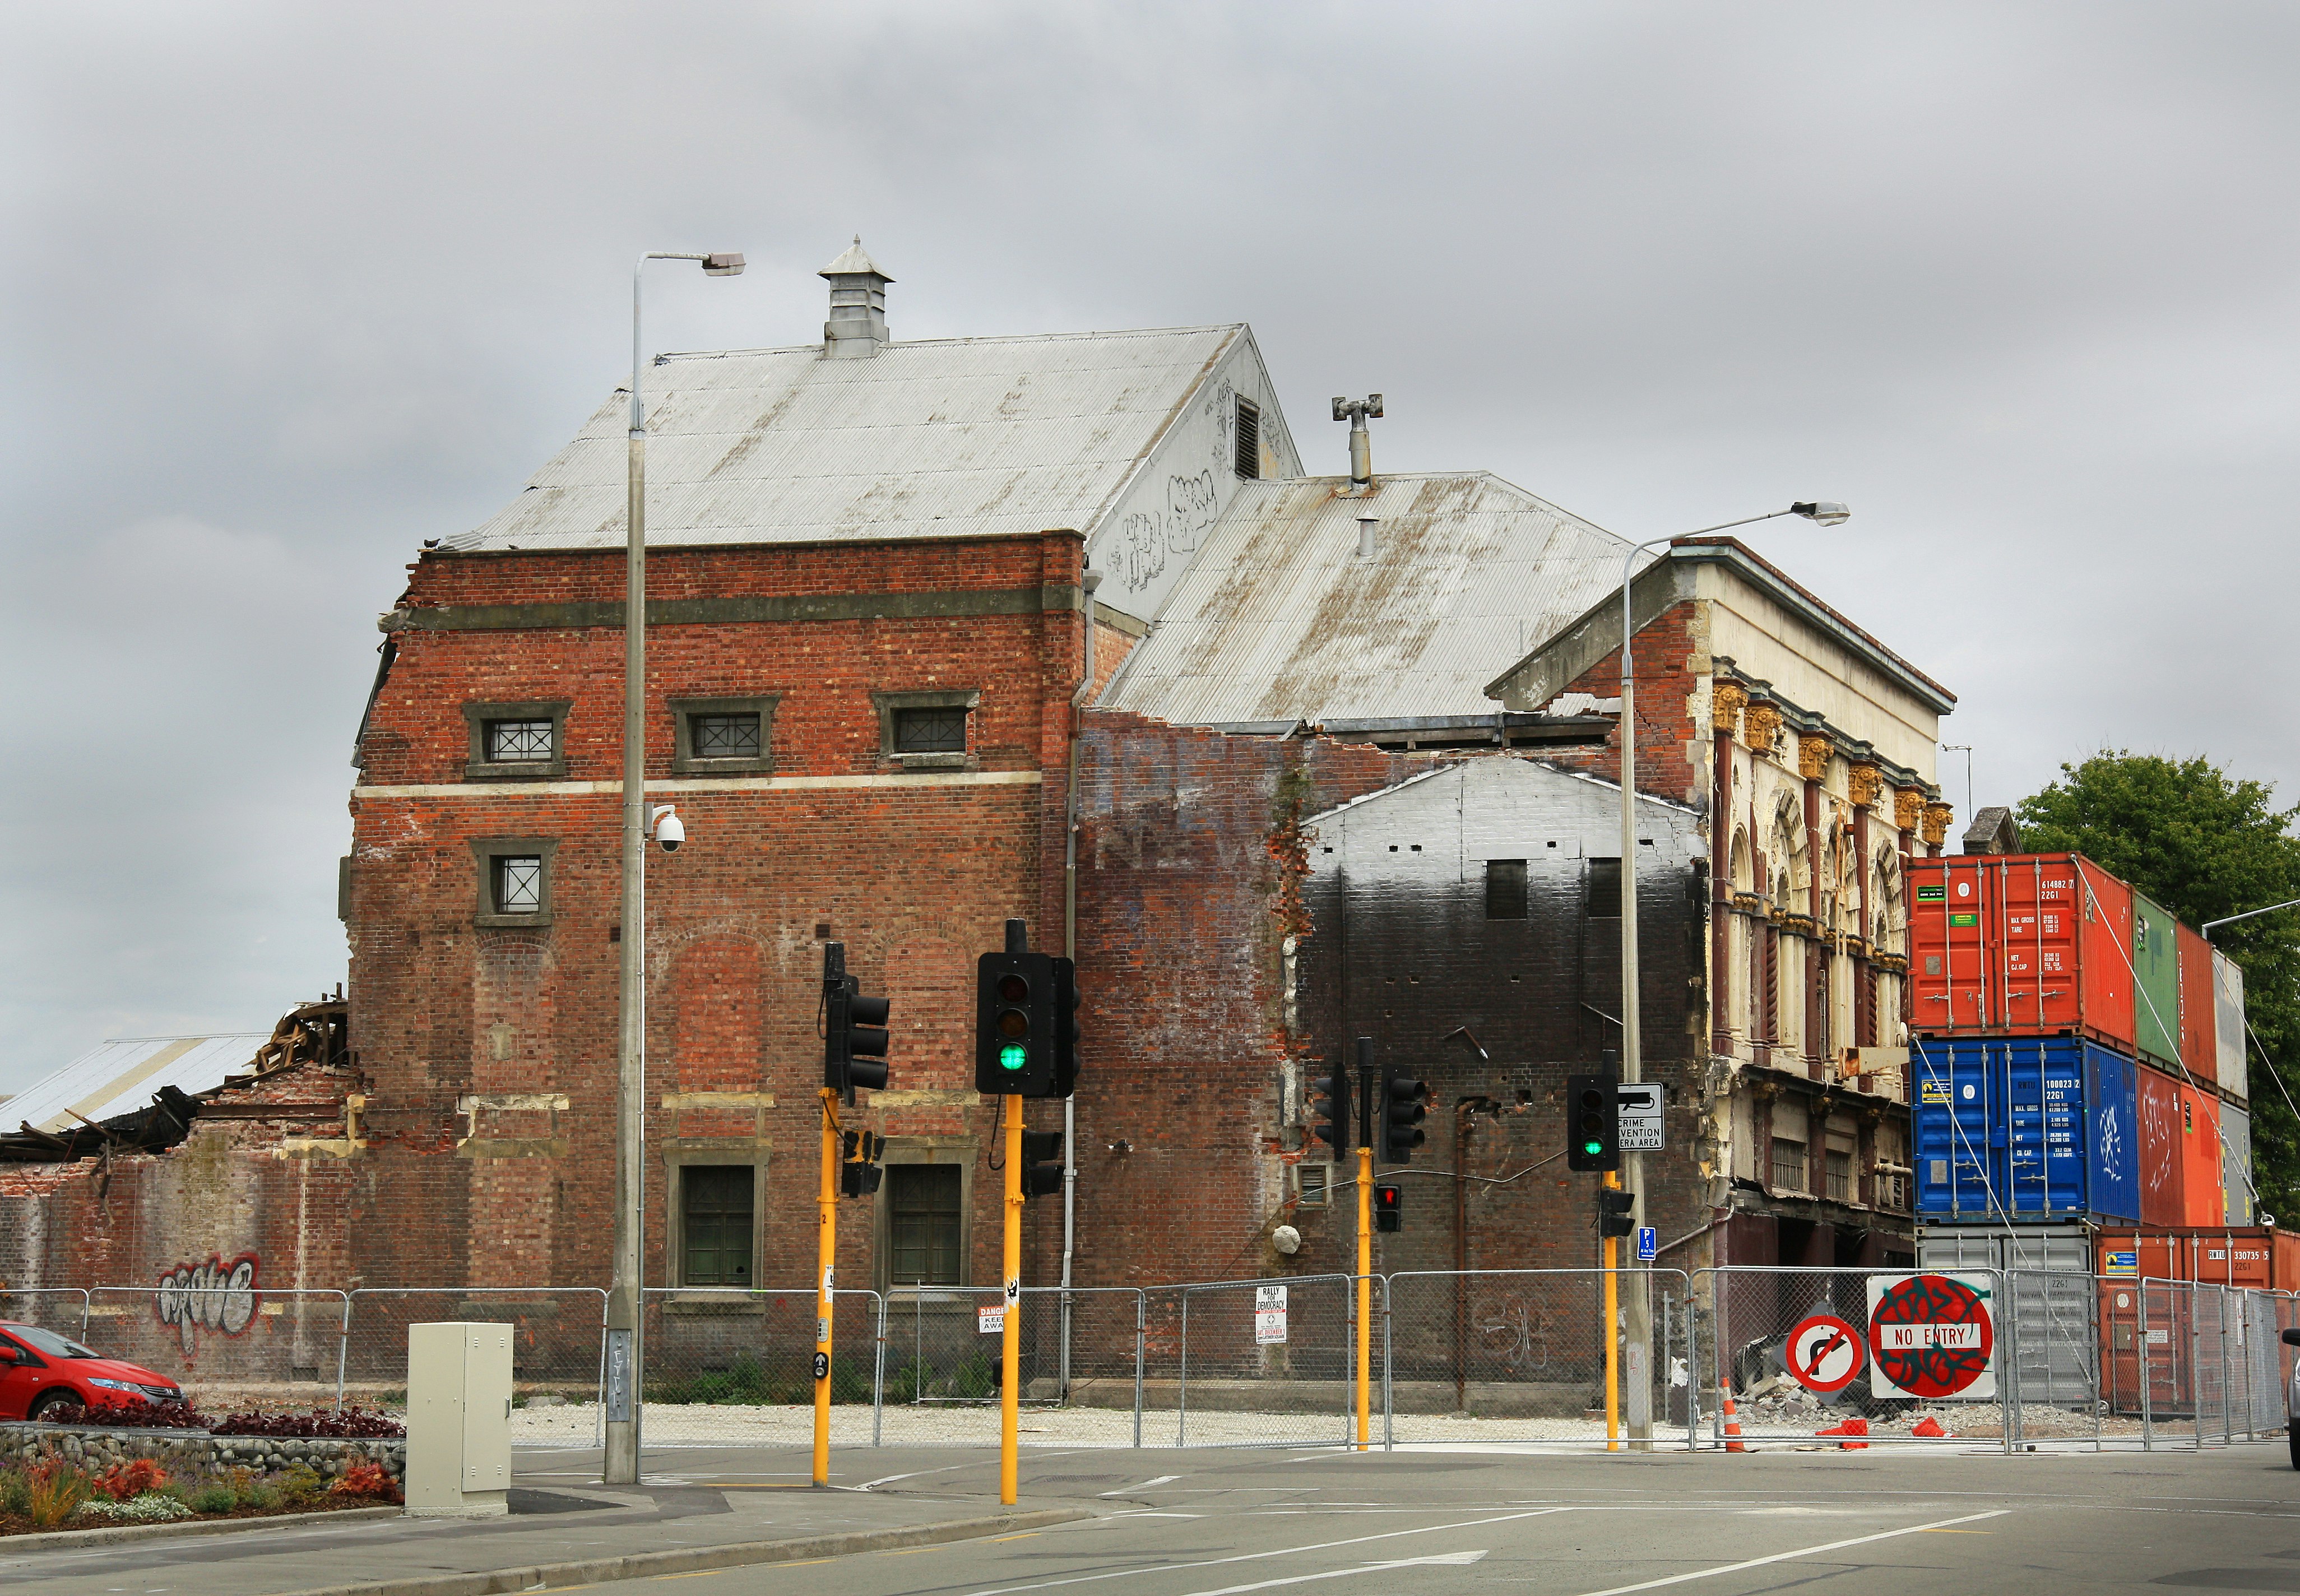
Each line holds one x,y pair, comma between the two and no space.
2156,990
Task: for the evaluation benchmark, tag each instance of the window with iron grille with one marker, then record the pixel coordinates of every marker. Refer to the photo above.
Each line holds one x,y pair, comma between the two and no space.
518,742
715,1224
518,884
1249,439
923,1231
514,742
1505,889
1788,1165
1838,1173
930,731
723,735
514,880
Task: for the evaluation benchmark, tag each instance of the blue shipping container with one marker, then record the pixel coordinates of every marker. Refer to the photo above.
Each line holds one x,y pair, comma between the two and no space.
2022,1129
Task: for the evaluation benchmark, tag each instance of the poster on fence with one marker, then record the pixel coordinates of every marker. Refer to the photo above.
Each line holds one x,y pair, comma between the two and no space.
1931,1337
1269,1315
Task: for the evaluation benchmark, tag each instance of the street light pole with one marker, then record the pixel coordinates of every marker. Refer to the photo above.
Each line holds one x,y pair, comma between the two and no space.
625,1362
1636,1329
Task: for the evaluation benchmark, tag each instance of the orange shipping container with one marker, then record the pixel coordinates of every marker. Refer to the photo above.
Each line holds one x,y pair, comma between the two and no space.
2250,1256
2202,1202
2199,1043
2161,1165
2024,944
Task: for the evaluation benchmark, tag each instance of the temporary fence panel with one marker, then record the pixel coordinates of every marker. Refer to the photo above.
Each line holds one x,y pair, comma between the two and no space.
62,1309
735,1367
1519,1355
232,1345
1256,1362
1906,1353
2051,1353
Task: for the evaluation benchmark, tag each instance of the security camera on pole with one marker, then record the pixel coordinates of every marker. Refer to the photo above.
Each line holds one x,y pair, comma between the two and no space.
1637,1328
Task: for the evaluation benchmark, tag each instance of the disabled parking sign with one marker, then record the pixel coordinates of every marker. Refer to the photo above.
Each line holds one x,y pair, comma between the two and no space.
1931,1336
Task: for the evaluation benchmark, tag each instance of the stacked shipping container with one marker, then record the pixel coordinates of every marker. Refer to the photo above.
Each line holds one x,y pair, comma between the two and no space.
2076,1054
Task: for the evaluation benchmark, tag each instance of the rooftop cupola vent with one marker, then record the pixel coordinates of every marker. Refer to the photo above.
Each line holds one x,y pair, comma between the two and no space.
858,306
1356,412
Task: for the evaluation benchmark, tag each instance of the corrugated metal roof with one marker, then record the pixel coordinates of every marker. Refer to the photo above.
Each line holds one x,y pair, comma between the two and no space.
1279,618
120,1076
950,439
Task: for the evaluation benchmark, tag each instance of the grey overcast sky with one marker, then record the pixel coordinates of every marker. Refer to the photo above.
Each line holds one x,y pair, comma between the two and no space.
291,288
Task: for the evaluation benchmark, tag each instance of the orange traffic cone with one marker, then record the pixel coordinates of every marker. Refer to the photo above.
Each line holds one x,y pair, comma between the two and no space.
1851,1426
1732,1422
1928,1426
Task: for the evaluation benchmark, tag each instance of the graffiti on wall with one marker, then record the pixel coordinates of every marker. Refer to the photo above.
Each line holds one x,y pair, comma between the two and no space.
214,1296
1146,537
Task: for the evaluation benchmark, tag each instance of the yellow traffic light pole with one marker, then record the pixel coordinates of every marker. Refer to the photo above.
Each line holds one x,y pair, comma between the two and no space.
1612,1335
1365,1292
1009,1354
826,1263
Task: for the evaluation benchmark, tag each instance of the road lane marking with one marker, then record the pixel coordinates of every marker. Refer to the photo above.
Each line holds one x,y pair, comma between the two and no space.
1253,1557
1787,1557
1163,1479
1025,1535
1449,1558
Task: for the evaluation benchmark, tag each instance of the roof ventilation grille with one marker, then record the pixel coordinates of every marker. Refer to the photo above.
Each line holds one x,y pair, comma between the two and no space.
858,306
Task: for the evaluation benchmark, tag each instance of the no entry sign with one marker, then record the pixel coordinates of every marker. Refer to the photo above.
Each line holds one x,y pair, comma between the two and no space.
1931,1336
1824,1353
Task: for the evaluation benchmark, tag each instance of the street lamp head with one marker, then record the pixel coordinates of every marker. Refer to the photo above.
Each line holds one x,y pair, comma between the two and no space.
1828,512
723,265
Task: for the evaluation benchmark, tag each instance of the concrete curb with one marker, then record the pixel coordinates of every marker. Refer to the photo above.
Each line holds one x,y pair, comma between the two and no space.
692,1559
10,1545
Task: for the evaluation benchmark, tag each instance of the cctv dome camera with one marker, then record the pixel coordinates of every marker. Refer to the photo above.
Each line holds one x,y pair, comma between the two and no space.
668,829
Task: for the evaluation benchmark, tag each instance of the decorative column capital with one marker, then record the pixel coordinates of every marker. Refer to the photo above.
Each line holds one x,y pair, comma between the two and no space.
1726,700
1813,749
1865,784
1760,724
1908,807
1936,819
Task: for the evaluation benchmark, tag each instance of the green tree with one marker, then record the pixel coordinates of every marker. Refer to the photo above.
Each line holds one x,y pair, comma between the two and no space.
2205,846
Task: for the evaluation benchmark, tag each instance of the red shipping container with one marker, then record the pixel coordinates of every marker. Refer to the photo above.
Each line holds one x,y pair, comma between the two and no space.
2248,1255
2161,1144
2020,945
2202,1201
2199,1039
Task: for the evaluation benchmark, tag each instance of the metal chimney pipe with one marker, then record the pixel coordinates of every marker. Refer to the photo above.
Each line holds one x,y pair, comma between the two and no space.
1366,524
1356,412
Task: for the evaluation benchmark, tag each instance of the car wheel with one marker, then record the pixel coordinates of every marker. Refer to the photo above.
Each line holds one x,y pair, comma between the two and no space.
2294,1435
48,1400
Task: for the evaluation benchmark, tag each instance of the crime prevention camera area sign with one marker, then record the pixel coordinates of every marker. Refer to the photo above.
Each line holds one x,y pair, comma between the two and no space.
1931,1336
1638,1108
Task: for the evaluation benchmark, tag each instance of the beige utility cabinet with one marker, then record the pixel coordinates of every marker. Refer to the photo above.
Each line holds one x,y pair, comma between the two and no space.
458,1420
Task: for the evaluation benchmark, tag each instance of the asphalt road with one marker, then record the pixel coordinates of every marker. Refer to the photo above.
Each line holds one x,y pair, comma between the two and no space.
1224,1524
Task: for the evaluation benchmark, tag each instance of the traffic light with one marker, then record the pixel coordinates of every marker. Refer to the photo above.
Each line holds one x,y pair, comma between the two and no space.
1067,1034
1593,1123
853,1029
1042,1163
1614,1211
1329,1101
1014,1020
1403,1104
859,1173
1388,1206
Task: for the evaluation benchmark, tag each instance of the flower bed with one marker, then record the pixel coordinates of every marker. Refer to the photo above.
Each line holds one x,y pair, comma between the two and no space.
206,1474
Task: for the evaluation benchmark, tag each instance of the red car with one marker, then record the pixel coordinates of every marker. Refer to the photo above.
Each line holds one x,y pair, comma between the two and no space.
40,1369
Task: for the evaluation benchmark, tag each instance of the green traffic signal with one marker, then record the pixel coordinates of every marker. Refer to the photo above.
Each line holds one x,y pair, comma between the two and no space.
1012,1056
1593,1148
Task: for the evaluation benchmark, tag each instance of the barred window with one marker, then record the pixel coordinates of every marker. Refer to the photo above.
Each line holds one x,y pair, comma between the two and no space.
1838,1175
724,737
515,742
1788,1165
924,1232
938,729
518,886
715,1223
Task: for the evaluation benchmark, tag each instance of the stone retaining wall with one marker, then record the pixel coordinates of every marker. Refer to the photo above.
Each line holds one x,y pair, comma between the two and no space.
196,1452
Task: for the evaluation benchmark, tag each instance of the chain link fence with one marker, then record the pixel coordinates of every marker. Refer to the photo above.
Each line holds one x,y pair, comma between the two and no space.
1519,1355
1809,1357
